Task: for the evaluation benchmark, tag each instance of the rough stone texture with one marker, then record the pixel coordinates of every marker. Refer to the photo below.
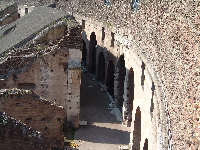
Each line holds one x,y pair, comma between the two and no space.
40,114
8,12
42,64
165,34
16,135
74,82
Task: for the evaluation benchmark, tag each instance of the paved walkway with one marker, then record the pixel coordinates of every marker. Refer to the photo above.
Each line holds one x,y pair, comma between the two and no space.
104,132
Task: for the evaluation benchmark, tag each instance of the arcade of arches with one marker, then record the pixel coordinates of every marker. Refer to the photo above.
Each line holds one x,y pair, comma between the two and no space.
127,80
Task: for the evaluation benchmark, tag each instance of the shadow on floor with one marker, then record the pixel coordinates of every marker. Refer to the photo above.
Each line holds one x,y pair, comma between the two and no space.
96,134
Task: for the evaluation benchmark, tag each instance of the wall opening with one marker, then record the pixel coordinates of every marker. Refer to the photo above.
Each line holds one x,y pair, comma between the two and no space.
137,130
103,34
119,81
145,145
152,104
101,67
84,54
83,24
142,76
112,39
92,53
130,89
110,78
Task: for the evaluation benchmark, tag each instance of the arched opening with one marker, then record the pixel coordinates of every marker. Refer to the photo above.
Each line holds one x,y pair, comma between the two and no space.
110,78
93,70
119,81
92,53
101,67
137,130
84,53
145,145
142,76
130,95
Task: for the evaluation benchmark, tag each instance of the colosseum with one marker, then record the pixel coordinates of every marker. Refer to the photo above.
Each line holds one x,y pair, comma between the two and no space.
99,75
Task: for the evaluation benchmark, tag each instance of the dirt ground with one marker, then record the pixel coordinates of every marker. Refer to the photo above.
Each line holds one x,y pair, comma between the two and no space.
104,132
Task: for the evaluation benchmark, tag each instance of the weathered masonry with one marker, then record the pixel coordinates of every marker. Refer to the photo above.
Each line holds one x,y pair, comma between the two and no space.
156,43
38,113
44,59
17,135
49,64
8,12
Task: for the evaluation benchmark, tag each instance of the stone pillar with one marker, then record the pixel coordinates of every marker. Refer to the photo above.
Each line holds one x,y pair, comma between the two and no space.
74,81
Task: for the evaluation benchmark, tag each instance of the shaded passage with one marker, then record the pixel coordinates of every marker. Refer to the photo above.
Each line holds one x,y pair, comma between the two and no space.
104,132
101,68
110,78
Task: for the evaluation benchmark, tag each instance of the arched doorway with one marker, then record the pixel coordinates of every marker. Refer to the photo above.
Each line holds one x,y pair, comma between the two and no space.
92,53
145,145
93,69
137,130
130,95
84,53
119,81
110,78
101,67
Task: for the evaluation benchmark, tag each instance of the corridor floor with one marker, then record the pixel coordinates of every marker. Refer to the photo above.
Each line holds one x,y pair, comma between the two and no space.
103,131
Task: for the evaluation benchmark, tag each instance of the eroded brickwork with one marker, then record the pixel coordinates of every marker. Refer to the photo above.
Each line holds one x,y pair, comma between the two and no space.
40,114
8,12
16,135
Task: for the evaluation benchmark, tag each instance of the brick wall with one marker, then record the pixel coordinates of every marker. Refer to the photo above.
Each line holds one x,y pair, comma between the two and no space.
38,113
16,135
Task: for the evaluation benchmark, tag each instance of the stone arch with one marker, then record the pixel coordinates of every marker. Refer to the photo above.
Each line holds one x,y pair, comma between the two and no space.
130,95
145,147
84,53
92,53
101,67
110,78
137,130
119,81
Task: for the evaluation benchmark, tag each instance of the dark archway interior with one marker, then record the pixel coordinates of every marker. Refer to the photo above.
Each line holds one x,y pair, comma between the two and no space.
93,61
145,145
92,53
137,130
101,68
110,78
130,94
84,54
121,73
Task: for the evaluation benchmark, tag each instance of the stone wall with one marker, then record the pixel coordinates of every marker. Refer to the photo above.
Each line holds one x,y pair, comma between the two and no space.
42,65
144,96
9,13
16,135
40,114
164,34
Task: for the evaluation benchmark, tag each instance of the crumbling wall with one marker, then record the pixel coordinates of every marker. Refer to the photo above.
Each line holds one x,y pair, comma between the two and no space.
38,113
16,135
42,65
9,14
164,34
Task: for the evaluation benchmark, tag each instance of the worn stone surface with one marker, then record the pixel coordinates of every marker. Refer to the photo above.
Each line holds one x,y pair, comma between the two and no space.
8,12
40,114
41,59
165,36
17,135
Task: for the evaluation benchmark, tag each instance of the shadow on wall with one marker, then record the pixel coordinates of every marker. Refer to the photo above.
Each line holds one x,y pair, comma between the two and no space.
94,102
117,79
105,135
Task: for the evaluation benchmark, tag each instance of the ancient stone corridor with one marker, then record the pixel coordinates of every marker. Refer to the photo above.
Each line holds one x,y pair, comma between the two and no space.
103,131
